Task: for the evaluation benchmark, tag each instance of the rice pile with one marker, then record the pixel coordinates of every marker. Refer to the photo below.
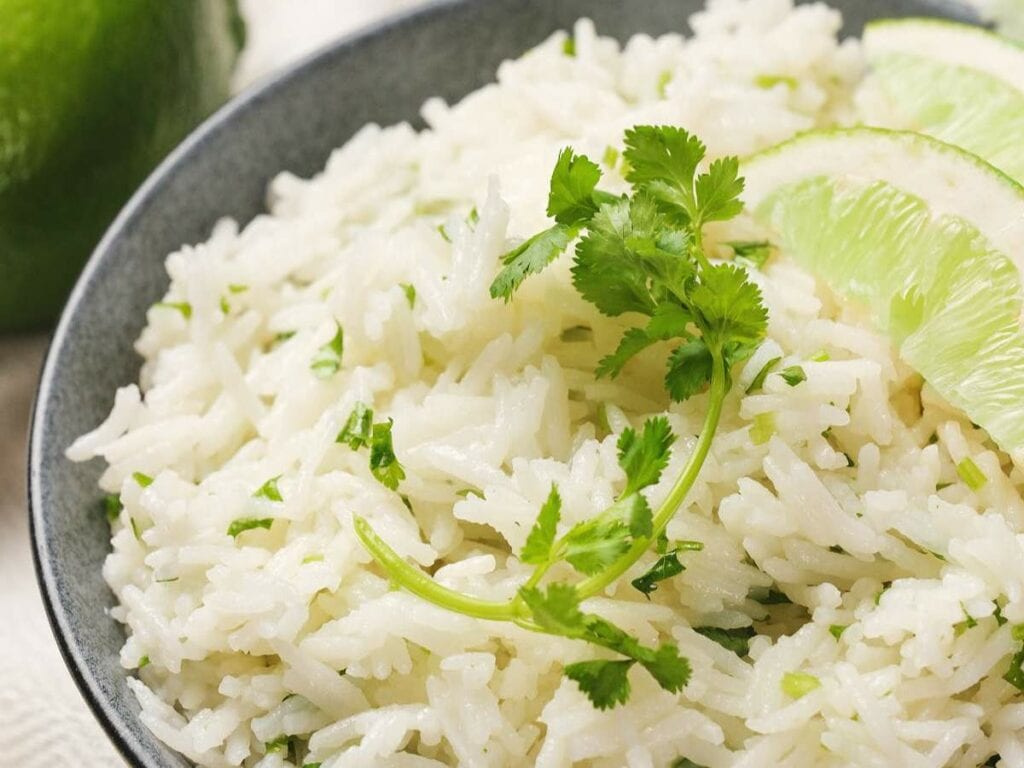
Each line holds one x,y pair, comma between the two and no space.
852,509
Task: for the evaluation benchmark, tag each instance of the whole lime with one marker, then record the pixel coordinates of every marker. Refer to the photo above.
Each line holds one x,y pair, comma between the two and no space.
93,94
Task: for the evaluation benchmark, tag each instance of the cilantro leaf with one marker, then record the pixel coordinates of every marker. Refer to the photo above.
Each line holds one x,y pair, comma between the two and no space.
644,457
384,465
594,544
269,490
180,306
730,307
669,321
666,666
556,609
735,640
358,427
607,271
633,341
247,524
327,360
571,199
682,762
541,538
664,159
605,683
143,480
280,744
718,192
666,567
531,257
689,370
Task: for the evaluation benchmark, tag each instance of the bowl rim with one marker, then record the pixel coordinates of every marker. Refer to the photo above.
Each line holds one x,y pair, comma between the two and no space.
114,726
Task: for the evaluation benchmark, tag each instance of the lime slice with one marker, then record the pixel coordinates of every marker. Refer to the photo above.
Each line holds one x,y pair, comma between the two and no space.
956,82
929,238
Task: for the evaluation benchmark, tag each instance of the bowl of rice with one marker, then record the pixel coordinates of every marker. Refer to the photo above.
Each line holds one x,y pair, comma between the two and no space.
351,448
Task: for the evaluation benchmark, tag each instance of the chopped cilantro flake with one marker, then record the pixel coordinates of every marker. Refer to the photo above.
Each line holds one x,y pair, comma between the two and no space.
143,480
836,630
793,375
410,293
269,490
753,252
770,81
358,428
327,360
112,506
796,685
736,640
384,464
971,474
243,524
179,306
758,381
763,428
280,744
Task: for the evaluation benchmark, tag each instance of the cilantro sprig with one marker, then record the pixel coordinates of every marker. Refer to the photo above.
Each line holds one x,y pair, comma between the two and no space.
641,254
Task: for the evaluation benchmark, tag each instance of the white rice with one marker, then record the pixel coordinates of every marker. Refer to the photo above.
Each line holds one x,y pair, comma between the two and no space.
245,637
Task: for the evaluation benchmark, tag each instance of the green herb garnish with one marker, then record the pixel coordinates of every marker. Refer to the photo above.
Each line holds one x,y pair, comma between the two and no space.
269,490
758,381
280,744
796,685
793,375
643,254
735,640
243,524
112,506
179,306
327,360
358,428
753,252
384,464
143,481
410,293
971,474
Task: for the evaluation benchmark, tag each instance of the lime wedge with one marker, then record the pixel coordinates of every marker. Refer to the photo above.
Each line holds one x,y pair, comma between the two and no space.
928,238
956,82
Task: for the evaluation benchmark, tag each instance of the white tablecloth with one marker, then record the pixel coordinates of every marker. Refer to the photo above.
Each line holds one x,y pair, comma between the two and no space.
43,721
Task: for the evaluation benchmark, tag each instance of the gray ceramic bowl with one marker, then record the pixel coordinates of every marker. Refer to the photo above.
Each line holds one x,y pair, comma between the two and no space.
291,123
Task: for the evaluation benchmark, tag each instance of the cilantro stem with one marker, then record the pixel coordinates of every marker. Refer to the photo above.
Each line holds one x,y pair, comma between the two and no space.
677,495
420,584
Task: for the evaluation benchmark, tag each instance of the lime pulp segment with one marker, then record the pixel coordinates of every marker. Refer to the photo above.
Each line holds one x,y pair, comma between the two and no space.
956,82
875,214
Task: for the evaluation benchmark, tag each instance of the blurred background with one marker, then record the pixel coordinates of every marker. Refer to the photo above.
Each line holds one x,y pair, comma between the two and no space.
93,94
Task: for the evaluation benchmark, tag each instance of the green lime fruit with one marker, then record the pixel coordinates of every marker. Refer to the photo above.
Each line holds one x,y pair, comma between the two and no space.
928,238
956,82
93,94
